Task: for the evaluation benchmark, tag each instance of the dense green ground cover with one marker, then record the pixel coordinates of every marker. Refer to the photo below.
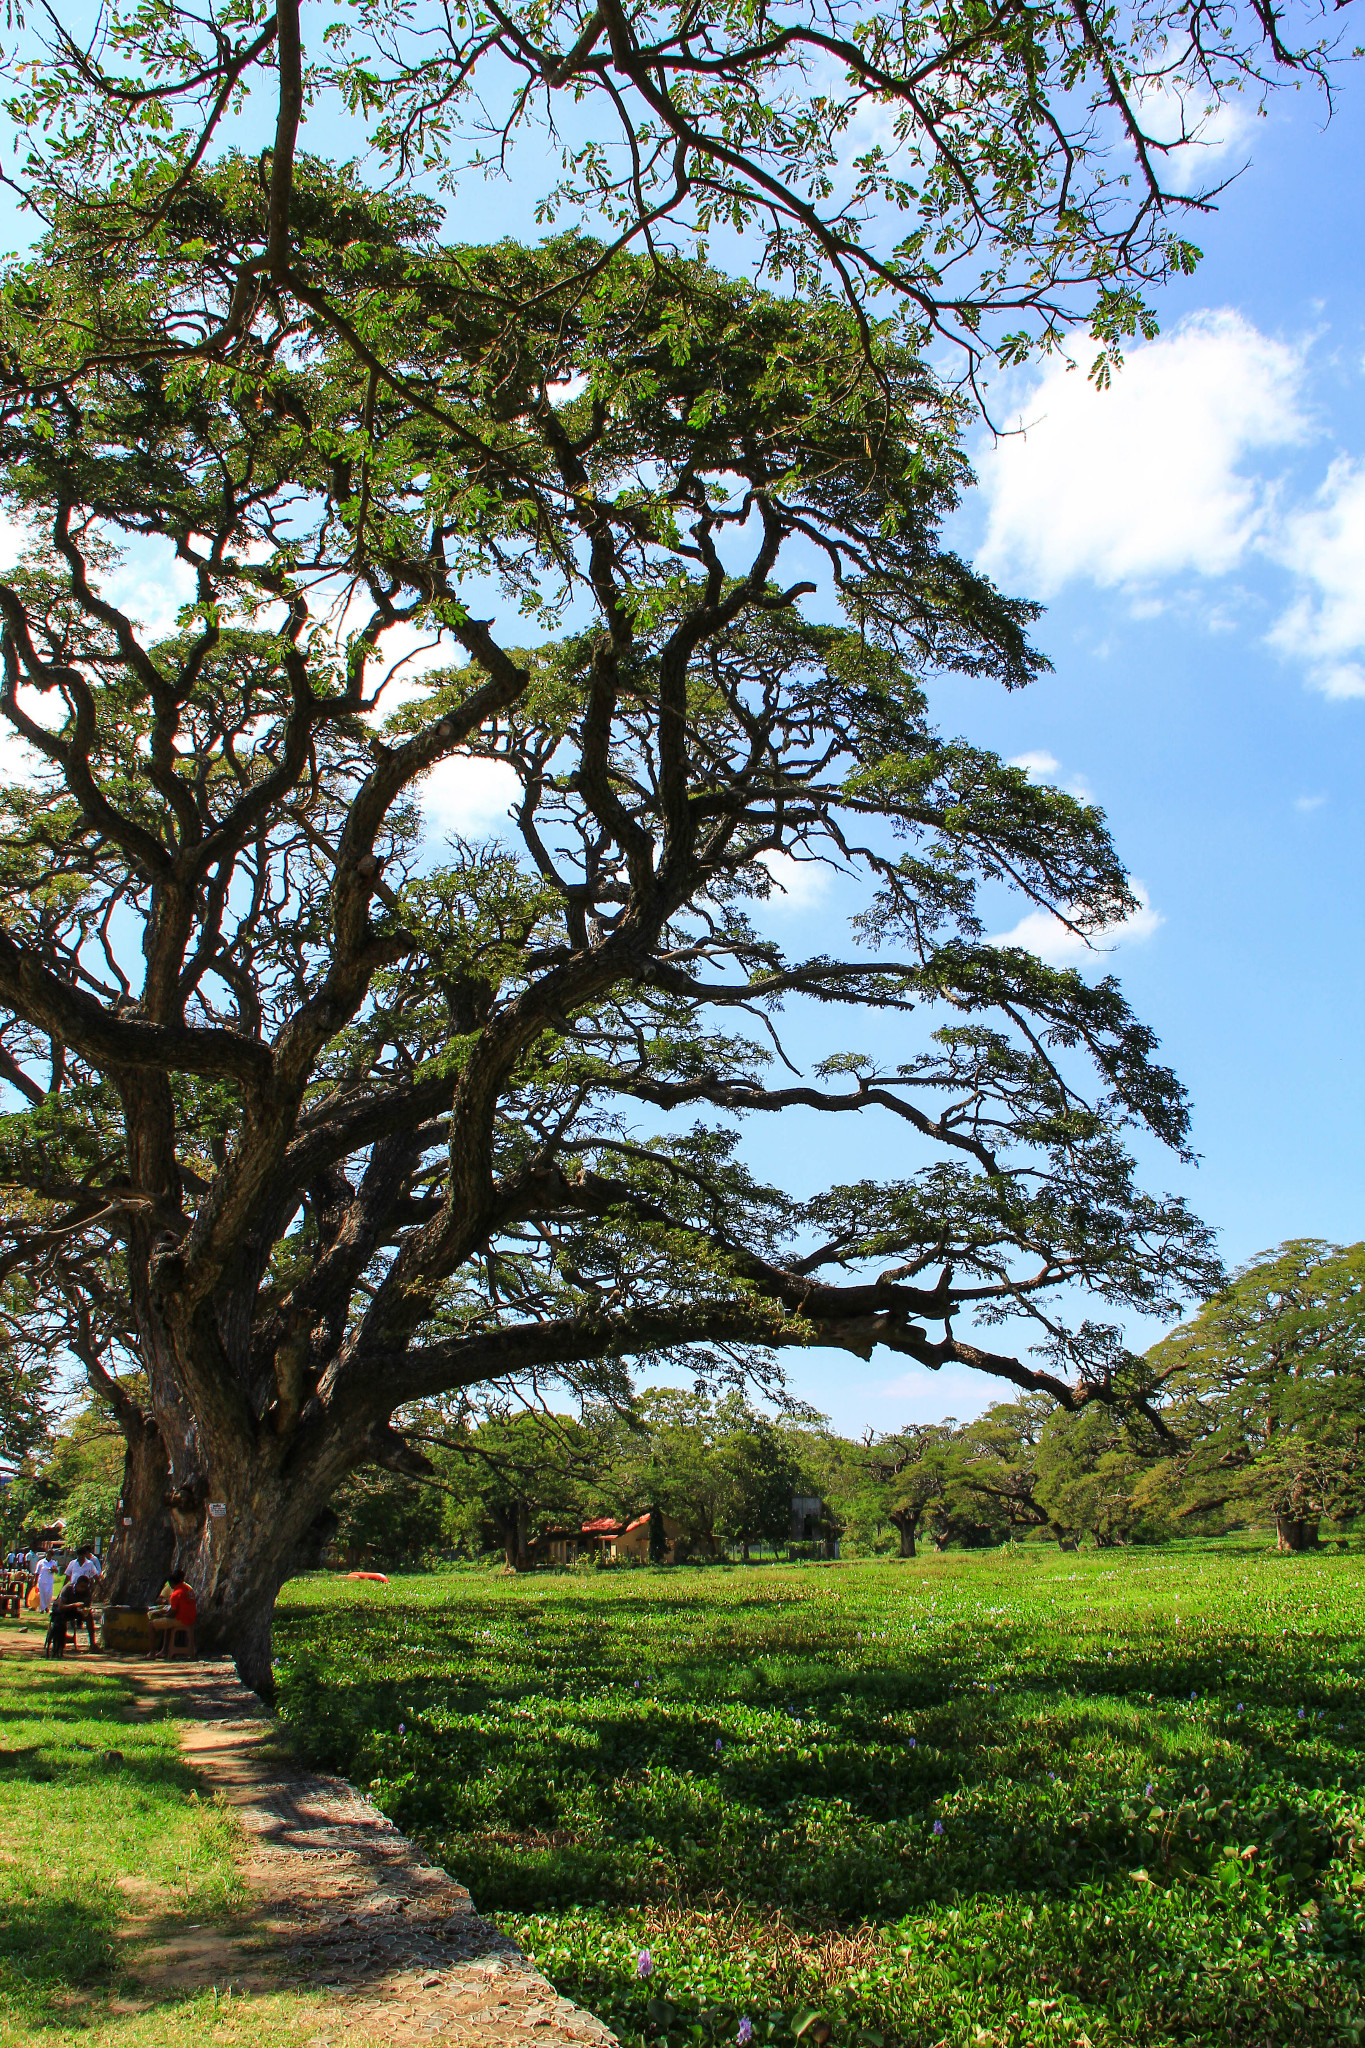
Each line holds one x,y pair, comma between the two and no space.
1018,1797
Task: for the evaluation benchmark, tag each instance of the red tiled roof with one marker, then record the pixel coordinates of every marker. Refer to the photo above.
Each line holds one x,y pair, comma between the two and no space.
638,1523
606,1525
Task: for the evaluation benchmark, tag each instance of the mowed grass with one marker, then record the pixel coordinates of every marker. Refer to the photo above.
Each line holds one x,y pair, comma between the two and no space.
1016,1797
109,1846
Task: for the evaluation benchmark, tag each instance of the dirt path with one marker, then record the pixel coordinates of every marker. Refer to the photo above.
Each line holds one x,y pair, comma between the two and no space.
342,1903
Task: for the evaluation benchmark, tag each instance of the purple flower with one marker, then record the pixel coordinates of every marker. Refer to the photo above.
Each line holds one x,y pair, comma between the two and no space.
401,1729
1301,1713
1148,1793
745,2033
912,1742
637,1685
644,1964
718,1745
938,1827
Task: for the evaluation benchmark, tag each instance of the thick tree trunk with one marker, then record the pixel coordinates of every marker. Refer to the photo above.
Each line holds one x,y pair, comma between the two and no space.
1296,1532
143,1545
905,1525
237,1561
239,1516
513,1524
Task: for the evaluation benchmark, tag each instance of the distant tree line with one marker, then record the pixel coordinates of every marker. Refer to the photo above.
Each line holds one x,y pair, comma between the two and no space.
1255,1416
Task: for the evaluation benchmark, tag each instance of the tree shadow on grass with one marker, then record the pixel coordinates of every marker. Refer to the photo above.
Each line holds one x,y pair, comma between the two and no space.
54,1947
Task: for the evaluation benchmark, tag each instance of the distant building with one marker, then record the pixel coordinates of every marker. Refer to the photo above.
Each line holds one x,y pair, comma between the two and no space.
813,1522
808,1514
633,1542
607,1538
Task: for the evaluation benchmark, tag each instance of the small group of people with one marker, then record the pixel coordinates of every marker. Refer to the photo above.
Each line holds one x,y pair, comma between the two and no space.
83,1570
73,1602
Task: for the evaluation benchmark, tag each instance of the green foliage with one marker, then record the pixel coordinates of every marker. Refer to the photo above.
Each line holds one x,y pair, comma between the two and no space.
418,1129
1149,1776
388,1518
76,1482
903,1477
672,1461
1266,1386
994,176
1088,1471
760,1473
518,1473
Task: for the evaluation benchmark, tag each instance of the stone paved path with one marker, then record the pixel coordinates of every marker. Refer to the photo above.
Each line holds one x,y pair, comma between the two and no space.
345,1904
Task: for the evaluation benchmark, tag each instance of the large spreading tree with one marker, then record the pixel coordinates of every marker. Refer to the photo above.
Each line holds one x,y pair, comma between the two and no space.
313,1120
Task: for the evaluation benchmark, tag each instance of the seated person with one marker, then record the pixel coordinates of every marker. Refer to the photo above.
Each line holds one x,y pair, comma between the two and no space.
180,1611
64,1619
85,1567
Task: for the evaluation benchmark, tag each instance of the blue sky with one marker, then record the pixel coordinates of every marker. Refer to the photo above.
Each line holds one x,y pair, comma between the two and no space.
1198,535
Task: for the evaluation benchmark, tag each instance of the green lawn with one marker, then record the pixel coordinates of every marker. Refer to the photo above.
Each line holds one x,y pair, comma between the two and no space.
107,1846
1012,1798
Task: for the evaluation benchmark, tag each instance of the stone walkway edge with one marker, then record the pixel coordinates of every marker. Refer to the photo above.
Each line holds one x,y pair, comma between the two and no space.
344,1903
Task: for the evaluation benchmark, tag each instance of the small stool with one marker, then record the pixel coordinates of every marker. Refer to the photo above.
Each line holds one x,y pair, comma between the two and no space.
179,1641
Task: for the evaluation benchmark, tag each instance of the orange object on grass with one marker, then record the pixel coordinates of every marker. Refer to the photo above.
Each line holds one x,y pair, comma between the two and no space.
378,1577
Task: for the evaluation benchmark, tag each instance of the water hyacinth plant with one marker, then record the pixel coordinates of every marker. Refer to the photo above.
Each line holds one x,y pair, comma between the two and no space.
884,1849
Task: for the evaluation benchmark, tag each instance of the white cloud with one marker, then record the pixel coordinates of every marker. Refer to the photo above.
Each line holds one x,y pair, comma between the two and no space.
1324,545
467,796
1038,762
1309,803
1168,113
802,883
1144,479
1341,679
1046,936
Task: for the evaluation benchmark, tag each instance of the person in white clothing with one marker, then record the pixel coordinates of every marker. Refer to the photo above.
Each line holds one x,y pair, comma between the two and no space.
45,1575
84,1565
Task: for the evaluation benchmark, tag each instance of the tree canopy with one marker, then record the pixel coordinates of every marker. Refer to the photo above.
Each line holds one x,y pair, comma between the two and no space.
998,172
315,1120
1266,1391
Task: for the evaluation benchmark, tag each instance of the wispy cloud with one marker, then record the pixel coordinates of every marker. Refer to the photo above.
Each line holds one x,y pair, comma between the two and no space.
1039,762
467,796
1324,545
1057,945
1175,472
798,885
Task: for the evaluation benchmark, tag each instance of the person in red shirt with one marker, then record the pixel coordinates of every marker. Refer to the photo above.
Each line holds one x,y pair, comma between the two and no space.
181,1601
180,1611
